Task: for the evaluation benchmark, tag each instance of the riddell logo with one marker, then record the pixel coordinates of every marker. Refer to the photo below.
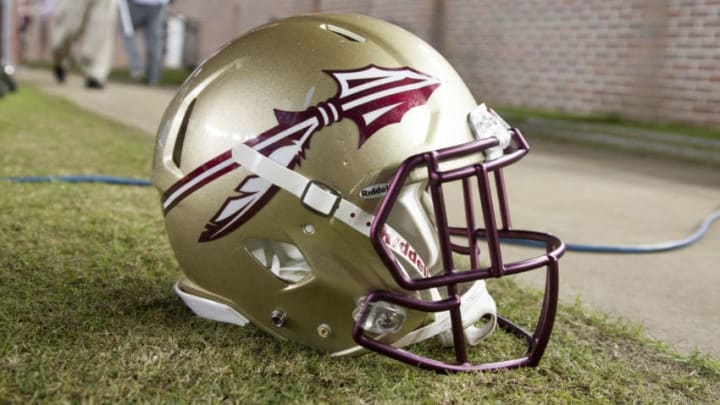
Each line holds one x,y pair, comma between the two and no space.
403,248
374,191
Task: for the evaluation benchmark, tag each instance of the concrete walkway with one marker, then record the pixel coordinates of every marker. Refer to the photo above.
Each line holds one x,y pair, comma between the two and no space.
133,104
584,195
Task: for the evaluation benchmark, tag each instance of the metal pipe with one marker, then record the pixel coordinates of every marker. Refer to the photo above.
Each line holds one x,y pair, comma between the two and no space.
7,69
6,25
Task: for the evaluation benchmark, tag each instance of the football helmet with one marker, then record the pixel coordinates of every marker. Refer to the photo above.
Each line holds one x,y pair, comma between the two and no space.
306,172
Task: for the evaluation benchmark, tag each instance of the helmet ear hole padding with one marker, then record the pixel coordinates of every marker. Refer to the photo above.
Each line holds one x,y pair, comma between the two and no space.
409,217
283,260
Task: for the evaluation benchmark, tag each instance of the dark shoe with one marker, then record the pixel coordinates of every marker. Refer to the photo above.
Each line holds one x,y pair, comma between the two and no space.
59,72
93,83
8,82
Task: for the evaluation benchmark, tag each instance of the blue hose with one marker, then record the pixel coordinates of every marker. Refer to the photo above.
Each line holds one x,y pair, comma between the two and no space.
82,179
574,247
634,249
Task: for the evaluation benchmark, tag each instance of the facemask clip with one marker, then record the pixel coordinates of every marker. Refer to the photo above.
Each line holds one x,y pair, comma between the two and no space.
381,317
486,123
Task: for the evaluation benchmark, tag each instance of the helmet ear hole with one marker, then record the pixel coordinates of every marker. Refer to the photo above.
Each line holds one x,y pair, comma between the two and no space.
284,260
180,139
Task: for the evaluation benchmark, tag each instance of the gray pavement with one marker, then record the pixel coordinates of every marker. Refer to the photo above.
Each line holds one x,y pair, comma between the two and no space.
584,195
596,196
133,104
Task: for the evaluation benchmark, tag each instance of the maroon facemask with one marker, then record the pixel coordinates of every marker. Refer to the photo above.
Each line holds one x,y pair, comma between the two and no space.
472,240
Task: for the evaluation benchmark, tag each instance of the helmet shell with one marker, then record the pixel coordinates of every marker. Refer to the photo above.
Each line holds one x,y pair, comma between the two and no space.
231,98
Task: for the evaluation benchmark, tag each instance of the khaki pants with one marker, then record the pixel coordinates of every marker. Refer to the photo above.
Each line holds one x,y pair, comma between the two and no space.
93,21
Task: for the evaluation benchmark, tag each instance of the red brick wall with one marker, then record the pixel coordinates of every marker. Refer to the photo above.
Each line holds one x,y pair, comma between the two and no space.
656,60
689,80
643,59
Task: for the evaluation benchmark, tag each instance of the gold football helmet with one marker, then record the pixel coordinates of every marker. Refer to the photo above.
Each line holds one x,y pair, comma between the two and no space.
305,170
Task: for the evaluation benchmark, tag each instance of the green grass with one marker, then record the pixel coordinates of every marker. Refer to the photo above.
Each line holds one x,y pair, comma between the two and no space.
168,77
518,115
88,315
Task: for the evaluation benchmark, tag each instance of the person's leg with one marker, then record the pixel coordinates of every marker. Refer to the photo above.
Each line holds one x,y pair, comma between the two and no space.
127,30
97,50
155,37
65,27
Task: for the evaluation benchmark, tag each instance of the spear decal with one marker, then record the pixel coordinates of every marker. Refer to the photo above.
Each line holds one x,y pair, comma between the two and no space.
373,97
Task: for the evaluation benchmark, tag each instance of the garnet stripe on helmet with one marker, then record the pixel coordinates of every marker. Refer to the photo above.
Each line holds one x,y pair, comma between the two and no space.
204,174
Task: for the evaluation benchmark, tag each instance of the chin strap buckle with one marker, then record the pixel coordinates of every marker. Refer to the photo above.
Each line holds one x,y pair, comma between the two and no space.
320,198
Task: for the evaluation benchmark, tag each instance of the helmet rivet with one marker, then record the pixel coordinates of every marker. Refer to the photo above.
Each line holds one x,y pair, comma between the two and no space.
324,330
309,229
278,318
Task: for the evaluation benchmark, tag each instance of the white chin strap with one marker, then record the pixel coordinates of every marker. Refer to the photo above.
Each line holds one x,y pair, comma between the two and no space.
313,195
476,302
